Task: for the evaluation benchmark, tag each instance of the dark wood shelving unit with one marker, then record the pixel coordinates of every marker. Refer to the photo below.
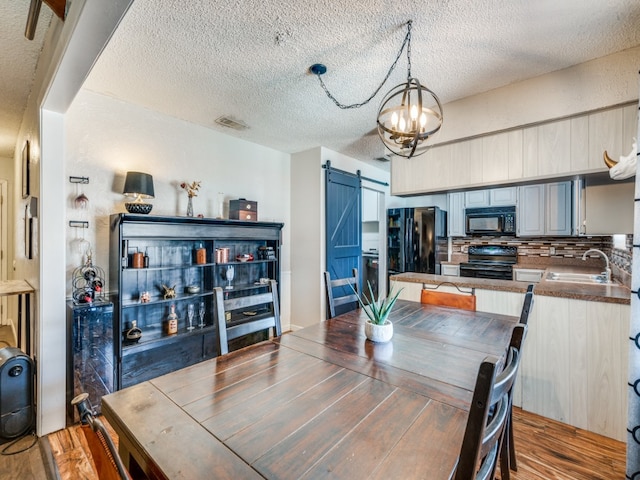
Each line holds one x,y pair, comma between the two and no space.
170,244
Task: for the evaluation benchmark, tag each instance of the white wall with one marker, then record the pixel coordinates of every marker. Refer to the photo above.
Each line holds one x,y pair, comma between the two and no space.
308,255
105,138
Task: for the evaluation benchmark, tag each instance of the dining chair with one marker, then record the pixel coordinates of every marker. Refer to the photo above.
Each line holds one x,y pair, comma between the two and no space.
108,463
465,300
527,305
260,312
508,459
347,299
488,414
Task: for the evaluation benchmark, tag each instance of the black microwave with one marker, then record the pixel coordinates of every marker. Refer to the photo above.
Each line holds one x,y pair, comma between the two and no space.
491,221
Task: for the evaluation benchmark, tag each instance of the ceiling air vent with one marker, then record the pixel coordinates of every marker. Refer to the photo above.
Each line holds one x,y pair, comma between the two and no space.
384,158
229,122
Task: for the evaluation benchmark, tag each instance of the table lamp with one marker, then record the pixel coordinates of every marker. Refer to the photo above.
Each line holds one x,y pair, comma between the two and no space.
139,185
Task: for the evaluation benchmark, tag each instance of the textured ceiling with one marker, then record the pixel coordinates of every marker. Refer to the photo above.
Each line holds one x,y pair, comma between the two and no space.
18,59
249,59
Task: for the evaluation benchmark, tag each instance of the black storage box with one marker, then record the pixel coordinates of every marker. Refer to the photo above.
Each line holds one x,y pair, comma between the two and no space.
243,209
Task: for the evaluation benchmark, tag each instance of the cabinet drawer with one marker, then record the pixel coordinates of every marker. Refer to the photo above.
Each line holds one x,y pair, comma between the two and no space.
242,209
527,275
451,270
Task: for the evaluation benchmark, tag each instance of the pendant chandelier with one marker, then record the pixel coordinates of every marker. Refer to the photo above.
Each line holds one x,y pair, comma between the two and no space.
409,114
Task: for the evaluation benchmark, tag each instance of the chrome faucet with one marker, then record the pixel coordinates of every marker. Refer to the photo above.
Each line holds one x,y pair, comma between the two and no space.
607,271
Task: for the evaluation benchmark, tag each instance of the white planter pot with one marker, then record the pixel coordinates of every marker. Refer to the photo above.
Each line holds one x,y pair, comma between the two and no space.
378,333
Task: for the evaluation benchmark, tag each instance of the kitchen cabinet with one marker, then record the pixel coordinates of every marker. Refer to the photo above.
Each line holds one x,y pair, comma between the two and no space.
455,214
451,270
495,197
187,258
370,207
604,206
574,364
555,148
545,209
531,275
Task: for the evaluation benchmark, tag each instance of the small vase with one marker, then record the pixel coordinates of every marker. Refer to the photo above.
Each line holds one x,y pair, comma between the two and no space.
378,333
190,207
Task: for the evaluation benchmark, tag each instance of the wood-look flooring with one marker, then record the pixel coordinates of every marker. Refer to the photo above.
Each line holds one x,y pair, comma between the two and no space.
546,450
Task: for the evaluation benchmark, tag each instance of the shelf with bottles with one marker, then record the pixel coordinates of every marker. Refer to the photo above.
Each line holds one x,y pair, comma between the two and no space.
152,324
159,254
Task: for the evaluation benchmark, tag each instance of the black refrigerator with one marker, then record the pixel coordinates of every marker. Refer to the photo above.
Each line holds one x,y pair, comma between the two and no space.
416,240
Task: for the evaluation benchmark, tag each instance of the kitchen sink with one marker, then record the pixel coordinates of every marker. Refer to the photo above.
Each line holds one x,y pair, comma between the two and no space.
568,277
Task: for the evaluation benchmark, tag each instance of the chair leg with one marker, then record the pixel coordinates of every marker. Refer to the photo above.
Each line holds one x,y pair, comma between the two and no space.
505,472
512,446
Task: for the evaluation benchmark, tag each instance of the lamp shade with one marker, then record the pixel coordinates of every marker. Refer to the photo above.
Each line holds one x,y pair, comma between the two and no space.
138,184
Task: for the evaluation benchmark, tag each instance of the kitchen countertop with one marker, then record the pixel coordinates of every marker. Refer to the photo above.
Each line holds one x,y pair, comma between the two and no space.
612,293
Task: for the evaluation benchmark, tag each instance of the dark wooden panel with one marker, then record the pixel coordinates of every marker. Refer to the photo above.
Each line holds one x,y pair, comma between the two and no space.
165,358
284,419
249,410
436,435
228,394
443,362
441,391
294,455
143,409
368,444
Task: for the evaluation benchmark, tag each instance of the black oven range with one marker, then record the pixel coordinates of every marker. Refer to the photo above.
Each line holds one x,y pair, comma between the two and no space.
490,261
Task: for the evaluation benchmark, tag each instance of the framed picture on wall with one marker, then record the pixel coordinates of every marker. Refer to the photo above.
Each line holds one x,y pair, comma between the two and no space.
25,170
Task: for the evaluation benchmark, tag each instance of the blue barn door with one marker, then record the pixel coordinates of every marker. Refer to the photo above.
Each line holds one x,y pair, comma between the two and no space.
343,225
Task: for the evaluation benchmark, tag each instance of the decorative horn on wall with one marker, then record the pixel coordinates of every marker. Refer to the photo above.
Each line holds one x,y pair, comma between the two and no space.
624,168
608,161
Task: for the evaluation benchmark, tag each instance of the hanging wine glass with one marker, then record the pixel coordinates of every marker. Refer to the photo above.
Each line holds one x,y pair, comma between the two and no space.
201,312
230,272
190,313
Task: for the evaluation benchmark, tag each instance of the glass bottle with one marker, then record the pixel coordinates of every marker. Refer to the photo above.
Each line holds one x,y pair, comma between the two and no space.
171,324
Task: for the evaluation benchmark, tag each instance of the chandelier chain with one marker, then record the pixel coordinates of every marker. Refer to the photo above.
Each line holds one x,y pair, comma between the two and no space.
406,42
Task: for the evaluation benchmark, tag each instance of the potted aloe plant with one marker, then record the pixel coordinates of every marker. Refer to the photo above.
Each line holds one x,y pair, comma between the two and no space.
377,327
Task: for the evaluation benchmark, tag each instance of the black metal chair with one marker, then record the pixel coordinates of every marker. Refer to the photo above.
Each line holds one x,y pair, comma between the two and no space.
488,414
527,305
508,459
348,286
264,314
108,463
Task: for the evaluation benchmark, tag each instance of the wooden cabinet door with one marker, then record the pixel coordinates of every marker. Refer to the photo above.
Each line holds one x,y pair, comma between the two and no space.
530,219
476,198
500,197
558,208
455,215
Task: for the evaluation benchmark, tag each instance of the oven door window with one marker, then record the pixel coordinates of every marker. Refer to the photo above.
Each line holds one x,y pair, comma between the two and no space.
491,223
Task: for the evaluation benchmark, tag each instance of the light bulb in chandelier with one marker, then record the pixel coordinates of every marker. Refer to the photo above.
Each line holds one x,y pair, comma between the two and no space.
423,110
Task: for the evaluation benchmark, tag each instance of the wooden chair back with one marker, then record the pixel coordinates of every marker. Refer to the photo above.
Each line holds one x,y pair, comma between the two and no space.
465,300
347,300
488,414
106,460
265,314
527,305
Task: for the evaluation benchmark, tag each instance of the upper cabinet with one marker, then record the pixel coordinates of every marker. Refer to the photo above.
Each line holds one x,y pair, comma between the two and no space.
370,206
495,197
455,214
545,209
604,206
541,152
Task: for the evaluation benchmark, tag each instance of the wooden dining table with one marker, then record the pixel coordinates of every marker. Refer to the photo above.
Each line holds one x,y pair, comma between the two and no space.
320,402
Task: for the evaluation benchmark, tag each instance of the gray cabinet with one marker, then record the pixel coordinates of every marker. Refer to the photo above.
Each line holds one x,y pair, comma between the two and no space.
545,209
455,214
495,197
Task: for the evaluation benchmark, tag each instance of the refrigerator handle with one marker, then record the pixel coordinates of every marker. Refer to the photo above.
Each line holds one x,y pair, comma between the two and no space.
408,245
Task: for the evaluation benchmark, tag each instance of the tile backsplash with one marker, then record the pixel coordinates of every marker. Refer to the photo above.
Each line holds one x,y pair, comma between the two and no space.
544,251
